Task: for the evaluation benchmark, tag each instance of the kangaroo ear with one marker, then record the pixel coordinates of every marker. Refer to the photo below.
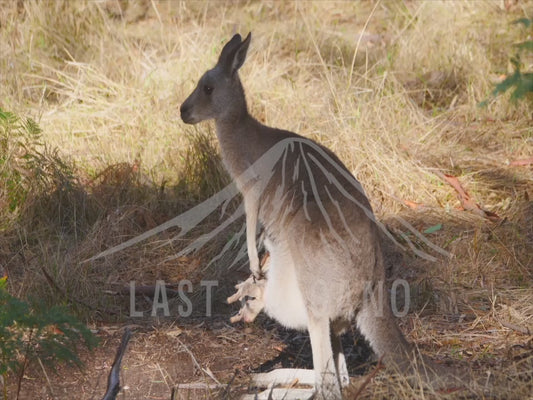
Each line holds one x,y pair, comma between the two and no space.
240,54
234,53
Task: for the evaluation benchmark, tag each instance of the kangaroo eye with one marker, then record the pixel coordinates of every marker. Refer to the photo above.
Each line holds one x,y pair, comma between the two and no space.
208,90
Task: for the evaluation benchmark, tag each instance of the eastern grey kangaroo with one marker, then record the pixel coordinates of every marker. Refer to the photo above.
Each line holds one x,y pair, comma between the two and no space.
319,227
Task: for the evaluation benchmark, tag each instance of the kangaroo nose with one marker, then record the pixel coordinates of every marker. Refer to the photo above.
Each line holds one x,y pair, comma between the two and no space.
184,109
185,112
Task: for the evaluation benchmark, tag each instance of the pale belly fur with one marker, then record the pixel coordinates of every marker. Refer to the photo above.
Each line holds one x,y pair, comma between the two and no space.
283,298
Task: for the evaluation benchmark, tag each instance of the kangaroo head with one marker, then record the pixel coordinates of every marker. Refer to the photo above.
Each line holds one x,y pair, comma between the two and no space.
219,93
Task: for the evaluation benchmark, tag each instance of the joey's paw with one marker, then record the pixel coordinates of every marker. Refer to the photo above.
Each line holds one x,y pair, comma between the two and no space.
250,294
243,289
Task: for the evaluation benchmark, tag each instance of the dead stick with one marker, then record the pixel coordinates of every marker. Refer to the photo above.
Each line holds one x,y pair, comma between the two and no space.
226,394
113,380
368,379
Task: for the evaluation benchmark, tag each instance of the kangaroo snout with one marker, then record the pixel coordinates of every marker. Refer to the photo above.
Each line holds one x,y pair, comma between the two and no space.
186,113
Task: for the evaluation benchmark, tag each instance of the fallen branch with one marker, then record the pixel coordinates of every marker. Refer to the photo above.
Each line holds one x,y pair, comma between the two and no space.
516,328
113,380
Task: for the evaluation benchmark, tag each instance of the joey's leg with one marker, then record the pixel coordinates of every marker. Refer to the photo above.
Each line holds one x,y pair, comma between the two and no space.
340,359
326,381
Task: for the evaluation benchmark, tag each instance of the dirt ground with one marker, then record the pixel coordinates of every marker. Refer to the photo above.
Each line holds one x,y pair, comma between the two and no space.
392,87
200,357
212,359
206,358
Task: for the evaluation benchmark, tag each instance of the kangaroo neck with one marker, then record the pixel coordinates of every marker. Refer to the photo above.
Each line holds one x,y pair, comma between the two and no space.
234,136
235,129
232,123
236,112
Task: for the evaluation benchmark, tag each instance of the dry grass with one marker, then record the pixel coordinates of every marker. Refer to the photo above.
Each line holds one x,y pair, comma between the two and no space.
391,86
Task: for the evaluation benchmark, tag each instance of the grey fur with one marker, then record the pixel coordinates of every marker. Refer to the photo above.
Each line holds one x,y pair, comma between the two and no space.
319,225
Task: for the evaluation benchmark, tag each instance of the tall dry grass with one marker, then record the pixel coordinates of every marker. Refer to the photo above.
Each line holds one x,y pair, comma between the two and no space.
391,86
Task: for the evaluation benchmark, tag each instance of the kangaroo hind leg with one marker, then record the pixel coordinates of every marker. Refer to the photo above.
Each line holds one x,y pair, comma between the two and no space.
327,384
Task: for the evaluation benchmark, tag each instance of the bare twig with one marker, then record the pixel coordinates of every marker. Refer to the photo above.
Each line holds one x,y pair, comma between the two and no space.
227,390
47,378
197,365
193,358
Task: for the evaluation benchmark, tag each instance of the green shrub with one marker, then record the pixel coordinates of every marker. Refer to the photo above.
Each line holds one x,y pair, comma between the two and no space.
19,141
30,331
520,81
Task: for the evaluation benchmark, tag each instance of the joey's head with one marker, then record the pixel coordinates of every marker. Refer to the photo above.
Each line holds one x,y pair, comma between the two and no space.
219,94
